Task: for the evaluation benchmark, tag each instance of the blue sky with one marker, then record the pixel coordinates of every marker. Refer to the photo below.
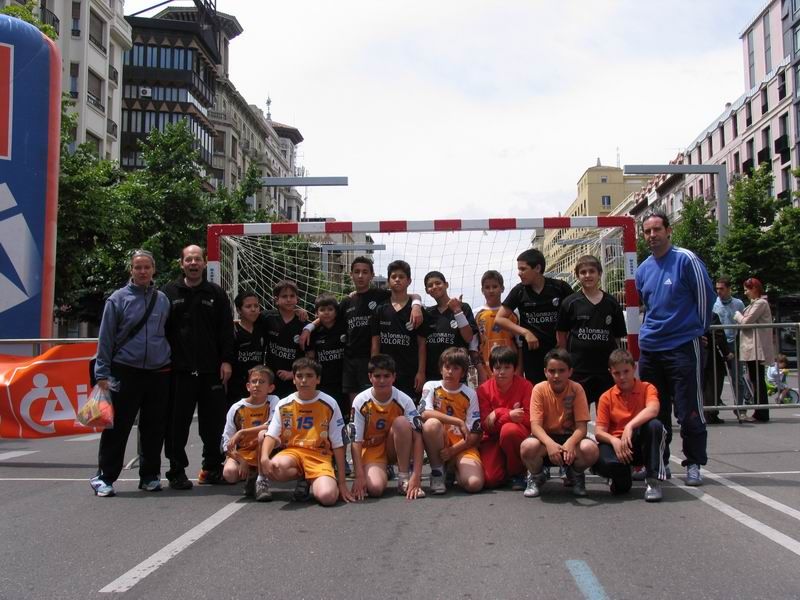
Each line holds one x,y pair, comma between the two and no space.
483,109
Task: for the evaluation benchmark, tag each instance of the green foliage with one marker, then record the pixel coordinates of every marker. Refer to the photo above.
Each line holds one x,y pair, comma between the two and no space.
696,231
764,236
25,12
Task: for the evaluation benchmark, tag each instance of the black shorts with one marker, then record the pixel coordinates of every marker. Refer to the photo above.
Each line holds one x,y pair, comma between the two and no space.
558,438
354,374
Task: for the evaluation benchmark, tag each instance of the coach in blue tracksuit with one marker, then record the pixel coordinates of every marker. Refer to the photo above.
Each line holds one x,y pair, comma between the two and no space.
678,297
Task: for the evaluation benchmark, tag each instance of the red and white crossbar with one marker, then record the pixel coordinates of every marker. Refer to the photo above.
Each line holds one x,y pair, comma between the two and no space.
627,224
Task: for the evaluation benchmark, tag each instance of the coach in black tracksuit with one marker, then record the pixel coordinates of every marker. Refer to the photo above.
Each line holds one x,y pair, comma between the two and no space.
200,333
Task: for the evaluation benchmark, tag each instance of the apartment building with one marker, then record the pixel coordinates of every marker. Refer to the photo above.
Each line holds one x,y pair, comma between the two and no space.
92,36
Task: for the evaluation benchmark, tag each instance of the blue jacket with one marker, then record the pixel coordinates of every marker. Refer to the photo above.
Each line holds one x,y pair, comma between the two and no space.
678,296
148,349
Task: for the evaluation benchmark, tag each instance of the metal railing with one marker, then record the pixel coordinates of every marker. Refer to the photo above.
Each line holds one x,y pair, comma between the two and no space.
49,18
38,345
740,376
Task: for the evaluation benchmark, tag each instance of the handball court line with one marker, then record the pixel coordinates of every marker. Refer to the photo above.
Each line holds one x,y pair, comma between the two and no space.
585,580
16,454
780,538
147,566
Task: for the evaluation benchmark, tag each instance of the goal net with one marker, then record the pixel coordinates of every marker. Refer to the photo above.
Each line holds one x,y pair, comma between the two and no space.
317,255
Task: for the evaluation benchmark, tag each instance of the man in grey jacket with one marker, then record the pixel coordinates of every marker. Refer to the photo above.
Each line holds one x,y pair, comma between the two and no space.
133,359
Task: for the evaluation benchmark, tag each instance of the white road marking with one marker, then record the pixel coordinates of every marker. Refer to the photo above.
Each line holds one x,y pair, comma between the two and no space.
147,566
745,491
89,437
16,454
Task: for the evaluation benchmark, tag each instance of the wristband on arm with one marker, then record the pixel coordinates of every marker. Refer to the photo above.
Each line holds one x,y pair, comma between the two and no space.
461,319
310,327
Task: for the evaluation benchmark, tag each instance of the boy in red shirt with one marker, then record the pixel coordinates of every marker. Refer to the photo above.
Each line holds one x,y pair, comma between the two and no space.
504,402
628,430
559,416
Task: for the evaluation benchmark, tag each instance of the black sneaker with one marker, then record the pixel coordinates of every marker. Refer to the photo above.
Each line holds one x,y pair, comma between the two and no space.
250,486
179,481
302,491
210,477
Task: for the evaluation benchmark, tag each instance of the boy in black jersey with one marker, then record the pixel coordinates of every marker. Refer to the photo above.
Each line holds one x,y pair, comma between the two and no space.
327,348
283,329
249,341
590,327
450,324
393,334
537,299
356,312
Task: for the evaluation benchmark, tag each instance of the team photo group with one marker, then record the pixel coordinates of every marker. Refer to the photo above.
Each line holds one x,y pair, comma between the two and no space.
489,398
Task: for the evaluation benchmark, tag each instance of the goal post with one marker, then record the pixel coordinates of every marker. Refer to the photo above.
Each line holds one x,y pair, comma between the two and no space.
317,254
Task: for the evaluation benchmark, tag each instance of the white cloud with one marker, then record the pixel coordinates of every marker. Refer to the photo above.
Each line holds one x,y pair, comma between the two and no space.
475,109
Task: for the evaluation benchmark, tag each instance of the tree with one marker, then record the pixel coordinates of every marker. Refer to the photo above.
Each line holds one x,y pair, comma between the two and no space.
24,12
763,239
696,231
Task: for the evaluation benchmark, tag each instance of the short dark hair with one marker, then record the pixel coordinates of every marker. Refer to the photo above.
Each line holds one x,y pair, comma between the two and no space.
434,274
455,356
306,363
620,357
502,355
398,265
492,274
534,258
285,284
725,280
657,214
588,261
262,369
326,299
383,362
558,354
364,260
238,302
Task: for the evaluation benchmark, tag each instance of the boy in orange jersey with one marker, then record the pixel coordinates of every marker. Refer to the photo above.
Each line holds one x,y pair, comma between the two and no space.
505,419
309,425
492,335
452,428
387,430
628,430
246,418
559,416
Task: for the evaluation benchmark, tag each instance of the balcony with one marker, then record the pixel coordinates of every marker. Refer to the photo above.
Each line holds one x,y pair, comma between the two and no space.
747,166
782,91
113,74
49,18
98,43
111,128
763,156
218,162
785,195
96,102
73,93
781,143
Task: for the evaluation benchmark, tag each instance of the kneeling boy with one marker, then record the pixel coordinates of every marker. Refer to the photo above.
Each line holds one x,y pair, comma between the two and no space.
309,425
387,427
452,427
505,419
628,430
240,439
559,415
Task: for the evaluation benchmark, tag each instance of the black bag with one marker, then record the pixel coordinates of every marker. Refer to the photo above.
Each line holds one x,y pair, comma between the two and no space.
131,334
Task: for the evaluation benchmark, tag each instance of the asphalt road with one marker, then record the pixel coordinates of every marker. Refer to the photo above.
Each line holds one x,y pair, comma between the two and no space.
736,537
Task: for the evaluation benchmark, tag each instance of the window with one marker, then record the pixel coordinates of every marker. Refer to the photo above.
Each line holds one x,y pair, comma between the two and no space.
179,55
94,142
74,71
94,86
721,136
767,42
781,85
751,59
751,155
737,165
691,192
783,124
764,101
765,138
149,121
134,56
603,179
166,57
76,19
700,186
735,123
748,114
710,146
699,154
796,32
786,179
97,31
606,201
151,57
125,117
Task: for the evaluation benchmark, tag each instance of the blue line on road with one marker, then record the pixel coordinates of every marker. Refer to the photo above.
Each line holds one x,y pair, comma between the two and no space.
587,583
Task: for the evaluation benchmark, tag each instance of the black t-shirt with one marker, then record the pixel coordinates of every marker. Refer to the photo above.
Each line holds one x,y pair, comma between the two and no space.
539,312
357,313
397,340
281,348
249,352
593,330
443,333
328,347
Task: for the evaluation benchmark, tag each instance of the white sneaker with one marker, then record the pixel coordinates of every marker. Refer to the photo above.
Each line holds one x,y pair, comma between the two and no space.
653,492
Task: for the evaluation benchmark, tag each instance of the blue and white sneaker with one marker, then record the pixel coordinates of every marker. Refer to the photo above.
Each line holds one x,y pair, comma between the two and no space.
154,485
101,488
693,476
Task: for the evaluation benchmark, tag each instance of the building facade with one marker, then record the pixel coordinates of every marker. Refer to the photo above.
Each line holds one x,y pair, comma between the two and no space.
93,35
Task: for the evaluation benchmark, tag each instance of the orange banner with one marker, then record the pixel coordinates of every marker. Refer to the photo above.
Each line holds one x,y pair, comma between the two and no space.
40,396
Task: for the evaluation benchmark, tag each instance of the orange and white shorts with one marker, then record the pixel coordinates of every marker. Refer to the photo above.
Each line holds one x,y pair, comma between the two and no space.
312,464
451,439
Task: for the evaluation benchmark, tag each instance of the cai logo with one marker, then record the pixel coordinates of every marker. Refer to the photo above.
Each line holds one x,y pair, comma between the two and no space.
57,404
20,277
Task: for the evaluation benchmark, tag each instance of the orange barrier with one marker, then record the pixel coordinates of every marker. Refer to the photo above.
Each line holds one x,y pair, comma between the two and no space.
40,396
